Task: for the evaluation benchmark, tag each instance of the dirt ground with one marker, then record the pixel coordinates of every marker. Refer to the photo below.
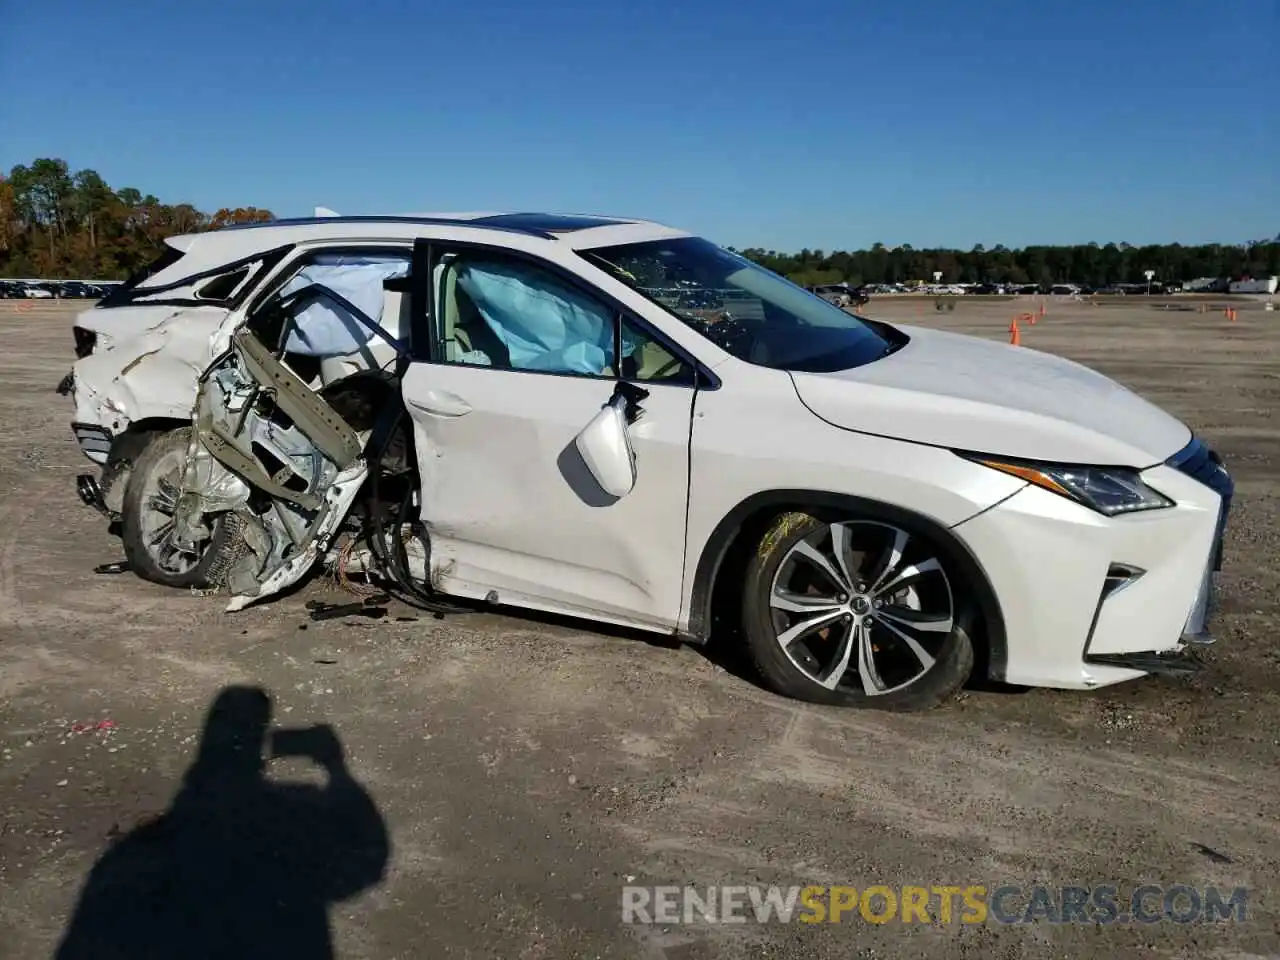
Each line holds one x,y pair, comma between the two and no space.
505,776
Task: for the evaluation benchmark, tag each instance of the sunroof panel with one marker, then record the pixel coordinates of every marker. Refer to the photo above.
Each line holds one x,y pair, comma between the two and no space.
546,222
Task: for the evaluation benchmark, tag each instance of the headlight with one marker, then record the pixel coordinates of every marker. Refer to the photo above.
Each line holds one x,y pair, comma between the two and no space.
1109,490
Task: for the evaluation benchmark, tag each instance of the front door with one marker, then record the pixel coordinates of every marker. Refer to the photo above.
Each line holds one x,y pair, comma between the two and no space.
527,359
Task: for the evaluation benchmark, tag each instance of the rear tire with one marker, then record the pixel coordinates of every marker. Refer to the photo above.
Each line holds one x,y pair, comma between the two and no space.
856,612
150,495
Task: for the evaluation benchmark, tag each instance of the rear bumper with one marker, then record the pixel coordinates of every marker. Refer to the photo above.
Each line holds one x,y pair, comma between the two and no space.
95,441
1090,600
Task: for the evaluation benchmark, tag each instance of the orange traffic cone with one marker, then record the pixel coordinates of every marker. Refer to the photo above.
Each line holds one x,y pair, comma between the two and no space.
1015,337
1030,318
1042,308
1233,314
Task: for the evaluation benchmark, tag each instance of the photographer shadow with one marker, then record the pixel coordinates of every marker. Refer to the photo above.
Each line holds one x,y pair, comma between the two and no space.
238,866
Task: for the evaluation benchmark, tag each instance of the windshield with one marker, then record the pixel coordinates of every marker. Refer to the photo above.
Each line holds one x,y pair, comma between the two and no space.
746,310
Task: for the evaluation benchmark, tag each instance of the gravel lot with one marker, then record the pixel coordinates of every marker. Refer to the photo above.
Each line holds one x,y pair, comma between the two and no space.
511,773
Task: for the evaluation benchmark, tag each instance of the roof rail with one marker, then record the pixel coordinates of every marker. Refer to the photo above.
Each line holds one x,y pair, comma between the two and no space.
434,221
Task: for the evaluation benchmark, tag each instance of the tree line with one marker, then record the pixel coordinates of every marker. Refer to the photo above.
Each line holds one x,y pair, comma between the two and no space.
58,225
1091,264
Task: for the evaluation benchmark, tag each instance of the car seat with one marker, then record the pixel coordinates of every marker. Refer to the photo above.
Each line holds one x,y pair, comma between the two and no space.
465,332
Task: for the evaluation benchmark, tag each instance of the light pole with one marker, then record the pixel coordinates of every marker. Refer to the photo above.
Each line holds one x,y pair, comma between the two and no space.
1148,274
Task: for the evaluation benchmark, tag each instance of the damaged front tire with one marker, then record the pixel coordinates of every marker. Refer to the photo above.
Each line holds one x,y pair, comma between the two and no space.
147,524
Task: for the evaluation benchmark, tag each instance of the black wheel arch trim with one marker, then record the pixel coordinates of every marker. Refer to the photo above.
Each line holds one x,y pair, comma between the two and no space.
723,537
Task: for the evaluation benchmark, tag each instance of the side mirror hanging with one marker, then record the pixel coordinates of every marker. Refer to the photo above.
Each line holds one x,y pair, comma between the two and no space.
605,443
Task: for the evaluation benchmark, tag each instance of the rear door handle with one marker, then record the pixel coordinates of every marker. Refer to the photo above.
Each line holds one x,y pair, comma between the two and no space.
440,403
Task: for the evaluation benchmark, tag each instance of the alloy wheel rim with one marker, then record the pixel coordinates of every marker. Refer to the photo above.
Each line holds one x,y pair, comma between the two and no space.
862,606
159,506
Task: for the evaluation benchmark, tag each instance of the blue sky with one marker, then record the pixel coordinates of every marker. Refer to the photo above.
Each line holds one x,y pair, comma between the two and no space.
783,125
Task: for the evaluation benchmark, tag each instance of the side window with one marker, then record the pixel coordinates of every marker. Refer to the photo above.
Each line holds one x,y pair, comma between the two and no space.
513,315
646,360
322,326
222,287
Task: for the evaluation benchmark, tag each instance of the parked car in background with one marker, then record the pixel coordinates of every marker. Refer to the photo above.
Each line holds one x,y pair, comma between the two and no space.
616,420
76,290
60,289
843,295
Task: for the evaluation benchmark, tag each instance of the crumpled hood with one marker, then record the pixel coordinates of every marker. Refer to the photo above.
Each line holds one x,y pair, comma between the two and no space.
967,393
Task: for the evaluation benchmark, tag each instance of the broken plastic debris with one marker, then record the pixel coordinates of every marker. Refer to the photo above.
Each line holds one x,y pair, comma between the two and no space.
369,607
1212,854
117,566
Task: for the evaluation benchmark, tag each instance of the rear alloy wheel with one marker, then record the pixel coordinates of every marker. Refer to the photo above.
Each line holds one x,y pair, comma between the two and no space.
855,612
147,520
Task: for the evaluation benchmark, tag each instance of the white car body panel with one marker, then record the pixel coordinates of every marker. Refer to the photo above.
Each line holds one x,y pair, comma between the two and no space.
124,323
510,511
1047,558
970,394
206,251
149,373
510,507
738,436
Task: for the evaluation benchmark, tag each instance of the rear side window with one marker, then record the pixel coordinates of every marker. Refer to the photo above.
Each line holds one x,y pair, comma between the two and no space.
121,293
221,288
225,285
363,279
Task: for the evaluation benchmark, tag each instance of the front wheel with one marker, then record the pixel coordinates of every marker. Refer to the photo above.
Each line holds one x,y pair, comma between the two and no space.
147,520
855,612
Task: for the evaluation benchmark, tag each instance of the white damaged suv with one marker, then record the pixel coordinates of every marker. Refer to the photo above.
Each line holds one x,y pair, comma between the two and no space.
616,420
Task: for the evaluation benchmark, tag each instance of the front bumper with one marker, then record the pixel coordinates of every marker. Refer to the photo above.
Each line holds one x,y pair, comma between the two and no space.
1203,464
1090,600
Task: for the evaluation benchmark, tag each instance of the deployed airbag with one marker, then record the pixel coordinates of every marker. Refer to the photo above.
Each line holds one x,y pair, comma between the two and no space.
543,323
326,329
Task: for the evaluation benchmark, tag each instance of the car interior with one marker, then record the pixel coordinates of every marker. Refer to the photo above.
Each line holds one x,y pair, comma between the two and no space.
469,335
